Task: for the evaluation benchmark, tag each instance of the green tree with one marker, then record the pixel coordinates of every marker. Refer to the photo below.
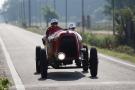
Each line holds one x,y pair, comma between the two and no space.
10,10
49,13
124,19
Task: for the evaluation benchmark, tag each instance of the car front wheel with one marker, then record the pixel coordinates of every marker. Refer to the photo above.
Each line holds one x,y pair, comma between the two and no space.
44,64
38,49
93,62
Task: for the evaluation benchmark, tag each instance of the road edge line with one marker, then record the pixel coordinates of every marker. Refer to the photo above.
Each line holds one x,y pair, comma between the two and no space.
17,80
117,61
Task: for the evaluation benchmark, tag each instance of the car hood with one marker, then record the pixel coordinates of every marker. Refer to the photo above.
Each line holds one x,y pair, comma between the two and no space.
59,33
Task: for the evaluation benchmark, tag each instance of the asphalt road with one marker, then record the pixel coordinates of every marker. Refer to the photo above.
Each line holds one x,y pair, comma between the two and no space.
20,46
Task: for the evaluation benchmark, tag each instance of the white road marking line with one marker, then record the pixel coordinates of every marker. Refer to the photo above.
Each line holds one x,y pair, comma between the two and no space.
17,80
117,61
81,84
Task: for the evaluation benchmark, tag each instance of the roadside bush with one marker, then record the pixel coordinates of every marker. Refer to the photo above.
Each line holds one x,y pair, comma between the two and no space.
125,49
109,42
102,41
85,37
4,84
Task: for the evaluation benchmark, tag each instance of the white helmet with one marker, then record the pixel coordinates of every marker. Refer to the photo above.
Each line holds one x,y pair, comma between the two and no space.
71,25
54,21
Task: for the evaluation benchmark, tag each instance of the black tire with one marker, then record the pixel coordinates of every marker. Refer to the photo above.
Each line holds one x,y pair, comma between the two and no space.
93,62
44,64
38,49
78,63
85,59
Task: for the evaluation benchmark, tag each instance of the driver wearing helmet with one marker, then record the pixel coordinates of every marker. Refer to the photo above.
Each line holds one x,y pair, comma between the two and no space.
51,30
72,27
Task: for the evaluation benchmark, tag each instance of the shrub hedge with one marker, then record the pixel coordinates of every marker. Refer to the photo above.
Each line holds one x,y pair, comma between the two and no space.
4,84
102,41
106,41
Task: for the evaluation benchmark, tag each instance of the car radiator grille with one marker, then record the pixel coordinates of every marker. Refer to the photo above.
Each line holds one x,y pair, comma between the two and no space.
68,46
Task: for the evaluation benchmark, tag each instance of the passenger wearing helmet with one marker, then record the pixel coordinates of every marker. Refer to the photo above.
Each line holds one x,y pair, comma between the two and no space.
53,28
72,27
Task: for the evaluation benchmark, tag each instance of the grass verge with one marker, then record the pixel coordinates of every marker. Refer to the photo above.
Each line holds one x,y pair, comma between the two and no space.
123,56
36,30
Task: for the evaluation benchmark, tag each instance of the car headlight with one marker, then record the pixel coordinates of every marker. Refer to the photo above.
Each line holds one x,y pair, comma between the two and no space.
61,56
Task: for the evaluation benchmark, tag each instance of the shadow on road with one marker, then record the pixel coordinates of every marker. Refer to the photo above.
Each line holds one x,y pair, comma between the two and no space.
65,76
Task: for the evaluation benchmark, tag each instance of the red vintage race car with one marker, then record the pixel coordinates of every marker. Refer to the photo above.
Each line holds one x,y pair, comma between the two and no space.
63,48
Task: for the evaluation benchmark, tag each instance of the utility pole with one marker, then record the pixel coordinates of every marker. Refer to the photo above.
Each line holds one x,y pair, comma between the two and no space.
54,2
21,17
29,11
21,12
24,18
88,22
66,14
17,12
113,18
83,16
40,7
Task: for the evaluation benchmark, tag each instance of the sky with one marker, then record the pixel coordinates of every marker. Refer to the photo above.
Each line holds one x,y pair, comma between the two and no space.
1,3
